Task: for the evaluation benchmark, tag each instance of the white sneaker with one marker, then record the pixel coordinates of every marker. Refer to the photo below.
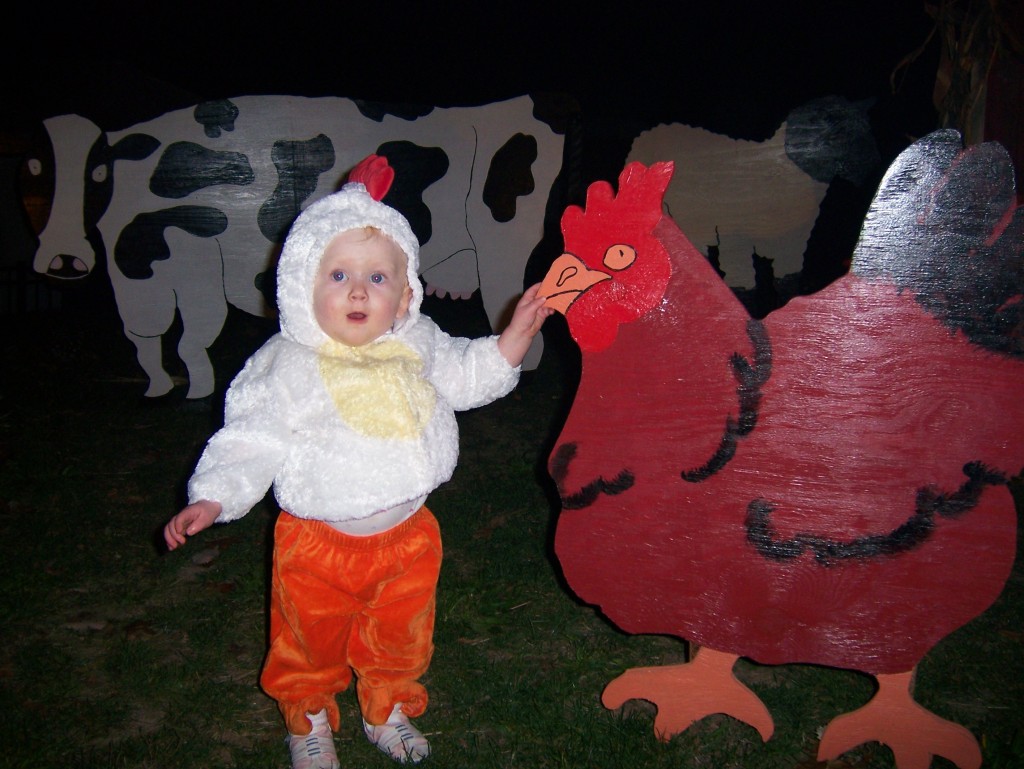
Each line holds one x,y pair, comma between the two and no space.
316,749
398,738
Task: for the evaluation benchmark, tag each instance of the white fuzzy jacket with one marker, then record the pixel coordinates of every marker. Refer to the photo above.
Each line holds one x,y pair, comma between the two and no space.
282,427
344,432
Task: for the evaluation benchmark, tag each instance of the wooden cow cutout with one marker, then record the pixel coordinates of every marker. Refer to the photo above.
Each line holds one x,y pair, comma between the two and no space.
827,485
192,206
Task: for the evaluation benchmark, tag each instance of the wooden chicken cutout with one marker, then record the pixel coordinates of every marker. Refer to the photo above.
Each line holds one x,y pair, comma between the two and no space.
826,486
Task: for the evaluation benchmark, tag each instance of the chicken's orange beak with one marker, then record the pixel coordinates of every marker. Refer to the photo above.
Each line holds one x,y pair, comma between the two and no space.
567,279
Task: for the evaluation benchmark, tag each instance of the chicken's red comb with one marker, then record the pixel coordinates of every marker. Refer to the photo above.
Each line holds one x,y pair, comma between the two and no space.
374,173
641,190
639,199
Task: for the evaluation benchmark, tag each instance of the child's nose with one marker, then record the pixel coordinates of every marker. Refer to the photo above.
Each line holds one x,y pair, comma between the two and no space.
357,289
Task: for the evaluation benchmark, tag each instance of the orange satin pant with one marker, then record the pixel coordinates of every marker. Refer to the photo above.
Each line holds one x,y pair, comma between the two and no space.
342,604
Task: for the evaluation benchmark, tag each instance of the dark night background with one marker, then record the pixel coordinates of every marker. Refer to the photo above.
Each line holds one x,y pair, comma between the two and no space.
730,67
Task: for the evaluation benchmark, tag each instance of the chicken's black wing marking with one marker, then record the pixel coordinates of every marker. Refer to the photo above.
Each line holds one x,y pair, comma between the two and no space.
751,378
586,496
908,535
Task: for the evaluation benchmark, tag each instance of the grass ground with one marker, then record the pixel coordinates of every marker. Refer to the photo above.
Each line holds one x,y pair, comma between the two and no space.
117,654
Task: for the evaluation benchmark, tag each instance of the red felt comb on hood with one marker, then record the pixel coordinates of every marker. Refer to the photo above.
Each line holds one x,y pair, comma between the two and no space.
374,173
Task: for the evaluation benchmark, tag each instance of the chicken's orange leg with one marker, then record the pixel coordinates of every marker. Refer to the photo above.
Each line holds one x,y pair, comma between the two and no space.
686,693
893,718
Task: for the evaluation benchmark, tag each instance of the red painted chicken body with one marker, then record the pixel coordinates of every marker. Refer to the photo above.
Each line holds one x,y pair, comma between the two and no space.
826,485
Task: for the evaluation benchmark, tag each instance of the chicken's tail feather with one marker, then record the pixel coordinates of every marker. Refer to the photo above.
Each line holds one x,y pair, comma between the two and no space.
945,225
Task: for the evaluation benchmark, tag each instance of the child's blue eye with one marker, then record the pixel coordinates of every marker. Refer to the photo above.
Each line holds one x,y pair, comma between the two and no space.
377,278
338,276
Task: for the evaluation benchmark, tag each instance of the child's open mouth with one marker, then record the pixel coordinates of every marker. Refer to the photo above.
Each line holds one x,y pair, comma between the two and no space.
357,316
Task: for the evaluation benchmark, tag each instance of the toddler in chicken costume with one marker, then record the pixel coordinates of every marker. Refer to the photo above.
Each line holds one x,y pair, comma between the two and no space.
349,413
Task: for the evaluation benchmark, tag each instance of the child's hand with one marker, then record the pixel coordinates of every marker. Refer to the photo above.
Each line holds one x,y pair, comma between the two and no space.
527,318
192,520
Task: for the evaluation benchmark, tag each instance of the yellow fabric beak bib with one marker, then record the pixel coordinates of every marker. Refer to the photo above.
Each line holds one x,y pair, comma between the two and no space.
378,389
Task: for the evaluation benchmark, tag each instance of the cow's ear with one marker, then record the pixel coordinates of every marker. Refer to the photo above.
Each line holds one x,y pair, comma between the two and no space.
134,147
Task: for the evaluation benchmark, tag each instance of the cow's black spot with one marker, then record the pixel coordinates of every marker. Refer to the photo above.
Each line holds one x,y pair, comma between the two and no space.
142,242
509,176
377,111
216,116
299,165
416,168
99,172
186,167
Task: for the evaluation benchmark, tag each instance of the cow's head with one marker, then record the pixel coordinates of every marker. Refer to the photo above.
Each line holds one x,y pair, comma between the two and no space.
76,174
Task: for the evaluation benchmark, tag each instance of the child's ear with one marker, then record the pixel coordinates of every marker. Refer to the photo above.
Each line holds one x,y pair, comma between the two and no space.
403,306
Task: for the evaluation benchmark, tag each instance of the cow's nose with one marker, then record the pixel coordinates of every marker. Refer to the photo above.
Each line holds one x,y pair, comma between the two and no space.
67,266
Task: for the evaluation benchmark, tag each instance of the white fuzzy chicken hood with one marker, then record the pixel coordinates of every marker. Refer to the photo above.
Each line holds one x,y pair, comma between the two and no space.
350,208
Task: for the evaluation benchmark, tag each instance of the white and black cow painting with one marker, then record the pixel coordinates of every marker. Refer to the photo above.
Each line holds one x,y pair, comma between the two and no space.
192,206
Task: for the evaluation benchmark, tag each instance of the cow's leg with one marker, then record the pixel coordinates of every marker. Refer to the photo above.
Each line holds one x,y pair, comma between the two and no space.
147,311
191,282
247,256
196,339
199,292
500,290
148,353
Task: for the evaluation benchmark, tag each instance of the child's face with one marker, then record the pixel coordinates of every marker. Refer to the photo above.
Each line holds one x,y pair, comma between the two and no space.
361,287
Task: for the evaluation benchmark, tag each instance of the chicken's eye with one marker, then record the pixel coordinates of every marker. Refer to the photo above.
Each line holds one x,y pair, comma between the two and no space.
619,257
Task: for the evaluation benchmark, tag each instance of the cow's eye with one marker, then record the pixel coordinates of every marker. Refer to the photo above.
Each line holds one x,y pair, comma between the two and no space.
99,174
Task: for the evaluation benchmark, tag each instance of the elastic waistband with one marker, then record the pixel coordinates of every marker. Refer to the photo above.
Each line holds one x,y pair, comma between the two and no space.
421,517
